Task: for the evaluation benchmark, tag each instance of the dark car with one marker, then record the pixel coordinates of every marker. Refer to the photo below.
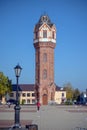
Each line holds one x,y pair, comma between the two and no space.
11,101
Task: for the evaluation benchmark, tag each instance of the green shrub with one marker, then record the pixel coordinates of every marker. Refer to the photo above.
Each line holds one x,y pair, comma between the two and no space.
22,102
68,103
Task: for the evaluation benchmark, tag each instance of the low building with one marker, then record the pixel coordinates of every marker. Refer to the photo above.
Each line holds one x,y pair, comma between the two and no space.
60,95
27,94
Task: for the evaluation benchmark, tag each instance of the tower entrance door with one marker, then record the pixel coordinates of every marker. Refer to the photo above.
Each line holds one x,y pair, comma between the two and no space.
45,99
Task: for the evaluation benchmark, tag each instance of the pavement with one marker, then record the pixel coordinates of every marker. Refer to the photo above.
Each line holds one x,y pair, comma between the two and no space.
53,117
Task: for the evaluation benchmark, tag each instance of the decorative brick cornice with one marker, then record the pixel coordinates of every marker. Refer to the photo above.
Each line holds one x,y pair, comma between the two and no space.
44,44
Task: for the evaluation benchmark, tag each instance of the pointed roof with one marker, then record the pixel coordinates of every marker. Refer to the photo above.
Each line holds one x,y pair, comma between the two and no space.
44,19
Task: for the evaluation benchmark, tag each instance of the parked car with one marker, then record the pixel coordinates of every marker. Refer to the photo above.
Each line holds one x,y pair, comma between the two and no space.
11,101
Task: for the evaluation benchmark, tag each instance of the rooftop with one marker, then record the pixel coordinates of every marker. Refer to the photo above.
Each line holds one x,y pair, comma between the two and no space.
29,87
23,87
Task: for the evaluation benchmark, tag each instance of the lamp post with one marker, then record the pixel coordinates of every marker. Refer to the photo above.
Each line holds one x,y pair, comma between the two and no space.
17,106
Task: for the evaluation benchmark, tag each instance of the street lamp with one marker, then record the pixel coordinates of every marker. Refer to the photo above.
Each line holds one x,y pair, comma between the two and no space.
17,106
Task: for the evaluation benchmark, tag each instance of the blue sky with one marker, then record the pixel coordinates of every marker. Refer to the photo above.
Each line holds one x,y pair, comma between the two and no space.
17,21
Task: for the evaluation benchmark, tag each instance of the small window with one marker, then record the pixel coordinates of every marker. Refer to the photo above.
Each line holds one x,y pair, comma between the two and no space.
36,35
24,94
33,101
44,33
33,94
28,94
53,35
44,57
62,94
44,74
28,101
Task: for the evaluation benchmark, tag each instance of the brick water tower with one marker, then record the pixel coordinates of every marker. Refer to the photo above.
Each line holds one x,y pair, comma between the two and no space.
44,43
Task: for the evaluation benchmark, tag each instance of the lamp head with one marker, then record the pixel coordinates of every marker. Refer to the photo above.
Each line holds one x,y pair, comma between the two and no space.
17,69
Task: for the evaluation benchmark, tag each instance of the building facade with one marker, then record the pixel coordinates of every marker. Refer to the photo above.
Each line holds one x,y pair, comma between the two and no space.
27,94
44,44
60,95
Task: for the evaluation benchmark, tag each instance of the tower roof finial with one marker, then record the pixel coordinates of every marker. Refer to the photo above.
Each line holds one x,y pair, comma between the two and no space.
45,19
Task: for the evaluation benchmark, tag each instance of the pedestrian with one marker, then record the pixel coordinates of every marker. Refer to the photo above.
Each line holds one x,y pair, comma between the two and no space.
38,106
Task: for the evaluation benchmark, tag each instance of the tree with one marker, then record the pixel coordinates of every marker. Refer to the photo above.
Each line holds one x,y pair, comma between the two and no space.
69,91
76,94
5,85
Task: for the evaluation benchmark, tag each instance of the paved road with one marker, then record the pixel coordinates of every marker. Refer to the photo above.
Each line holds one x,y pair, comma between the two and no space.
48,118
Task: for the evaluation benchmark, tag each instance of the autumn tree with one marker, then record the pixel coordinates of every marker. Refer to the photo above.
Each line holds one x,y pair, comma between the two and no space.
69,91
76,94
5,85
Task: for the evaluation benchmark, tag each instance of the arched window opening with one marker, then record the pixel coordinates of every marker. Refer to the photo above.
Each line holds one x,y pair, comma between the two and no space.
53,35
36,35
44,74
44,57
44,33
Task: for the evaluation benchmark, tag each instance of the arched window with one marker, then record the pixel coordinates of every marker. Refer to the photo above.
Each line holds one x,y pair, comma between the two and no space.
44,33
44,57
36,34
44,74
53,35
